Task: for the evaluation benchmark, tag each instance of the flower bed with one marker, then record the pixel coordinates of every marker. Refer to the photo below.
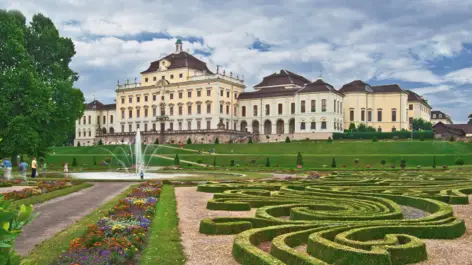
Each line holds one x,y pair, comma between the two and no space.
120,236
41,188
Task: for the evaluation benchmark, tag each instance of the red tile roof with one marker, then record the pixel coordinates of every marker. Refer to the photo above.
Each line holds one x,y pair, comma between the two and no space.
283,78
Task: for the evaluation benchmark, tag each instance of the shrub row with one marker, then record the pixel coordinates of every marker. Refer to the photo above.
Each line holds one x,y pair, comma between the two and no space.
384,135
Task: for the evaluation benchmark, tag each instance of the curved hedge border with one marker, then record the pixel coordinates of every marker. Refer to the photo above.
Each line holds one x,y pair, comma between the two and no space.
345,220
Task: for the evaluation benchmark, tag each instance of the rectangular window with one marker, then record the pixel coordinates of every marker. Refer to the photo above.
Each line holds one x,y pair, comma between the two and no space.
227,94
362,115
145,127
313,125
145,113
292,108
154,97
198,125
199,109
302,126
189,125
313,105
254,110
394,115
243,111
180,126
199,93
221,108
351,115
302,106
323,105
221,92
180,94
153,126
208,108
189,94
334,103
137,126
235,111
130,127
80,133
122,114
208,125
171,126
189,110
163,111
227,109
145,98
411,106
280,110
227,126
90,119
138,112
123,100
235,95
154,112
130,114
171,95
122,128
111,119
208,92
323,125
180,110
138,99
369,115
130,100
411,121
379,115
171,110
181,75
267,109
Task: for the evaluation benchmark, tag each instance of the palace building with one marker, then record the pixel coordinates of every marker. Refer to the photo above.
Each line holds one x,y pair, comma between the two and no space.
179,97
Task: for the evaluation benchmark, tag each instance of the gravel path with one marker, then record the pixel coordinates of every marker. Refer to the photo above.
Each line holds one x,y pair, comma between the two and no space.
203,249
57,214
453,252
413,213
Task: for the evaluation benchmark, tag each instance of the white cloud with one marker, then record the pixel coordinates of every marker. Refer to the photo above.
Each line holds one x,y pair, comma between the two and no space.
462,76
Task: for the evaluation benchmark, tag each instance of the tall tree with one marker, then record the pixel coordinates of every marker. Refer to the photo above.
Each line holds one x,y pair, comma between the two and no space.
420,124
38,103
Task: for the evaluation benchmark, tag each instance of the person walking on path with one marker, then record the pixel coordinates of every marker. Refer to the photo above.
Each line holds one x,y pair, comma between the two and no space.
23,168
34,167
7,165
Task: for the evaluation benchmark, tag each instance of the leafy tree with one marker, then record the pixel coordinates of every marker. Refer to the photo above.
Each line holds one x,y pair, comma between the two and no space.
330,140
78,144
38,103
156,141
361,127
470,121
299,159
371,129
460,162
383,162
217,141
176,160
434,162
250,140
352,127
231,163
100,142
267,164
374,139
403,163
420,124
189,141
287,140
452,139
74,162
333,163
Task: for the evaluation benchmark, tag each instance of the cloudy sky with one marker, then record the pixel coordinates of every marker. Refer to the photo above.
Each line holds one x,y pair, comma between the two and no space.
424,45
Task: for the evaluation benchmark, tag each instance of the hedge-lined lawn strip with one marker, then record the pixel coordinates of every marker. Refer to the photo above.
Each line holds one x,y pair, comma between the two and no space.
164,245
45,252
50,195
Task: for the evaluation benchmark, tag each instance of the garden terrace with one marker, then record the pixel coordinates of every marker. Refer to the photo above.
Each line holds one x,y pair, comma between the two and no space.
339,219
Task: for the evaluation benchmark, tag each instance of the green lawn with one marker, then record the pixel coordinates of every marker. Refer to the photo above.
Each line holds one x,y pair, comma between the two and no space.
164,245
315,154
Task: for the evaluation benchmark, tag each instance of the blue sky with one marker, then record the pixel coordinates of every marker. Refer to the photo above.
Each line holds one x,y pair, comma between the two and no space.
424,45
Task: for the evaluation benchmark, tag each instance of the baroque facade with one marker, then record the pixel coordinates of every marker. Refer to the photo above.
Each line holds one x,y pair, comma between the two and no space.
179,97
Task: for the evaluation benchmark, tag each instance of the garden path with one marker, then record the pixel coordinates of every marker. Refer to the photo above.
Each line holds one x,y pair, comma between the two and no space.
181,160
202,249
14,188
57,214
452,252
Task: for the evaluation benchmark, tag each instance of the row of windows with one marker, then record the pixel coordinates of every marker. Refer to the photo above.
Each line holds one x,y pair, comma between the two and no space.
439,115
422,108
337,108
154,78
104,119
369,115
179,94
180,111
171,126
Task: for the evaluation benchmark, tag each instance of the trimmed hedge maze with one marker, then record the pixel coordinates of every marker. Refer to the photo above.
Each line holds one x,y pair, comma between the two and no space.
340,219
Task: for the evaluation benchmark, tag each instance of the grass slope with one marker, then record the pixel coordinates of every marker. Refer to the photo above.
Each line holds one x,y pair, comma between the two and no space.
164,239
45,252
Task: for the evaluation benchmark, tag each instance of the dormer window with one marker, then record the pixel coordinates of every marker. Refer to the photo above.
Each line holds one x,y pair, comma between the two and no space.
145,79
181,75
154,78
171,76
163,77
